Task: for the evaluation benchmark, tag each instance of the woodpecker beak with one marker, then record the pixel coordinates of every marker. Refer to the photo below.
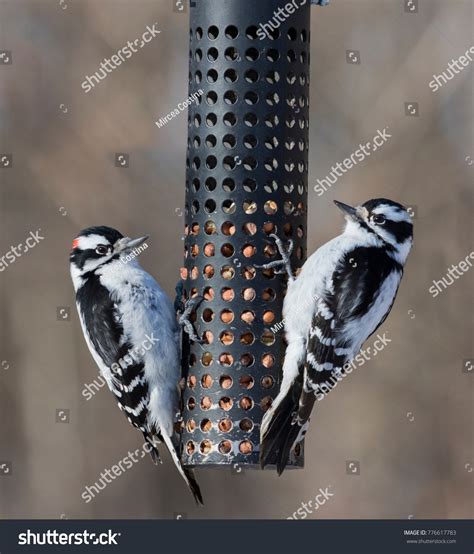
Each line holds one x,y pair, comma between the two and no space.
127,244
356,214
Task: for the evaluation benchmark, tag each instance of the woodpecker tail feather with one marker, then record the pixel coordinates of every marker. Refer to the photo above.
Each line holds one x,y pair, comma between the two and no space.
153,451
281,429
186,474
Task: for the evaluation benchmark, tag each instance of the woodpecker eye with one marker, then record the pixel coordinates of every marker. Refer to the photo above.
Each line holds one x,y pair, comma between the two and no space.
379,219
102,250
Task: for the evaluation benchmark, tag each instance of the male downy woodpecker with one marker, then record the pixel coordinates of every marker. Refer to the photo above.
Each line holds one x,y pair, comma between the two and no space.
131,329
344,292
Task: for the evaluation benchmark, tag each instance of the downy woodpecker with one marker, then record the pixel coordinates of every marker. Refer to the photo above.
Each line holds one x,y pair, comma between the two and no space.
132,332
344,292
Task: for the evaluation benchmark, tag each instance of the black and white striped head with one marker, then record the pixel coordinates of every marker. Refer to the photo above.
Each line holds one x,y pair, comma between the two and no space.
381,222
95,247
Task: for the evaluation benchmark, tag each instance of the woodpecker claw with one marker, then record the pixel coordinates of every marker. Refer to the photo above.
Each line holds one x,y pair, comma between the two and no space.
284,263
185,322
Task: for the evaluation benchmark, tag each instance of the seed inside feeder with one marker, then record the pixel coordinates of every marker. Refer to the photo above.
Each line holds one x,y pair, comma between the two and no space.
183,273
226,359
268,295
206,446
247,338
227,294
208,294
267,381
208,272
245,447
190,447
206,359
206,403
227,338
225,447
192,381
246,403
206,425
225,425
248,272
191,425
248,250
208,337
248,294
210,228
265,403
269,251
268,360
227,316
228,272
225,382
269,228
268,317
228,228
246,381
247,316
225,403
206,381
246,424
209,249
267,338
250,228
227,250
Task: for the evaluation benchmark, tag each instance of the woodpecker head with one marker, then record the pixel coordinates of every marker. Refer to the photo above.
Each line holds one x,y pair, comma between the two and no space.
95,247
381,222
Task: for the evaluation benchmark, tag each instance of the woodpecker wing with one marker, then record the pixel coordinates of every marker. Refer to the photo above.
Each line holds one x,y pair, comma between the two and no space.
351,308
103,330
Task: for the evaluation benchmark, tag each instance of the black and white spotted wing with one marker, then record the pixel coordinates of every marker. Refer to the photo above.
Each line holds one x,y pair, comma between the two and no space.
331,343
124,372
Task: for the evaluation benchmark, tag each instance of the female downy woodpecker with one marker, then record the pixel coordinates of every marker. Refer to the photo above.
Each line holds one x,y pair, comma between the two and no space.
344,292
131,329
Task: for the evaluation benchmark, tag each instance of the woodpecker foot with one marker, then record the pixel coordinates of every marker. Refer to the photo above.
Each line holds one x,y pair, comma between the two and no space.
178,302
184,320
284,263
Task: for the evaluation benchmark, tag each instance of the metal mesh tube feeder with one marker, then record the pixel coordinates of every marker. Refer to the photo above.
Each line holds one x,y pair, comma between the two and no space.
246,178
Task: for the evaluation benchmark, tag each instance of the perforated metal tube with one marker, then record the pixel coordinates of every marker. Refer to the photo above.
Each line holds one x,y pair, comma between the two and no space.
247,167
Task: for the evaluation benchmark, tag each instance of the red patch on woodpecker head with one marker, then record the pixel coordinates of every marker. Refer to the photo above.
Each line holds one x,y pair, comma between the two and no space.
75,243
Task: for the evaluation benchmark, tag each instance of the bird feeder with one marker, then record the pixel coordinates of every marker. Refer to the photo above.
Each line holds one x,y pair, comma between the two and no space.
246,179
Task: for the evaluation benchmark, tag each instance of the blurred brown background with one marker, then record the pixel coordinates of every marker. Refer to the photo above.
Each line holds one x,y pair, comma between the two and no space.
405,416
